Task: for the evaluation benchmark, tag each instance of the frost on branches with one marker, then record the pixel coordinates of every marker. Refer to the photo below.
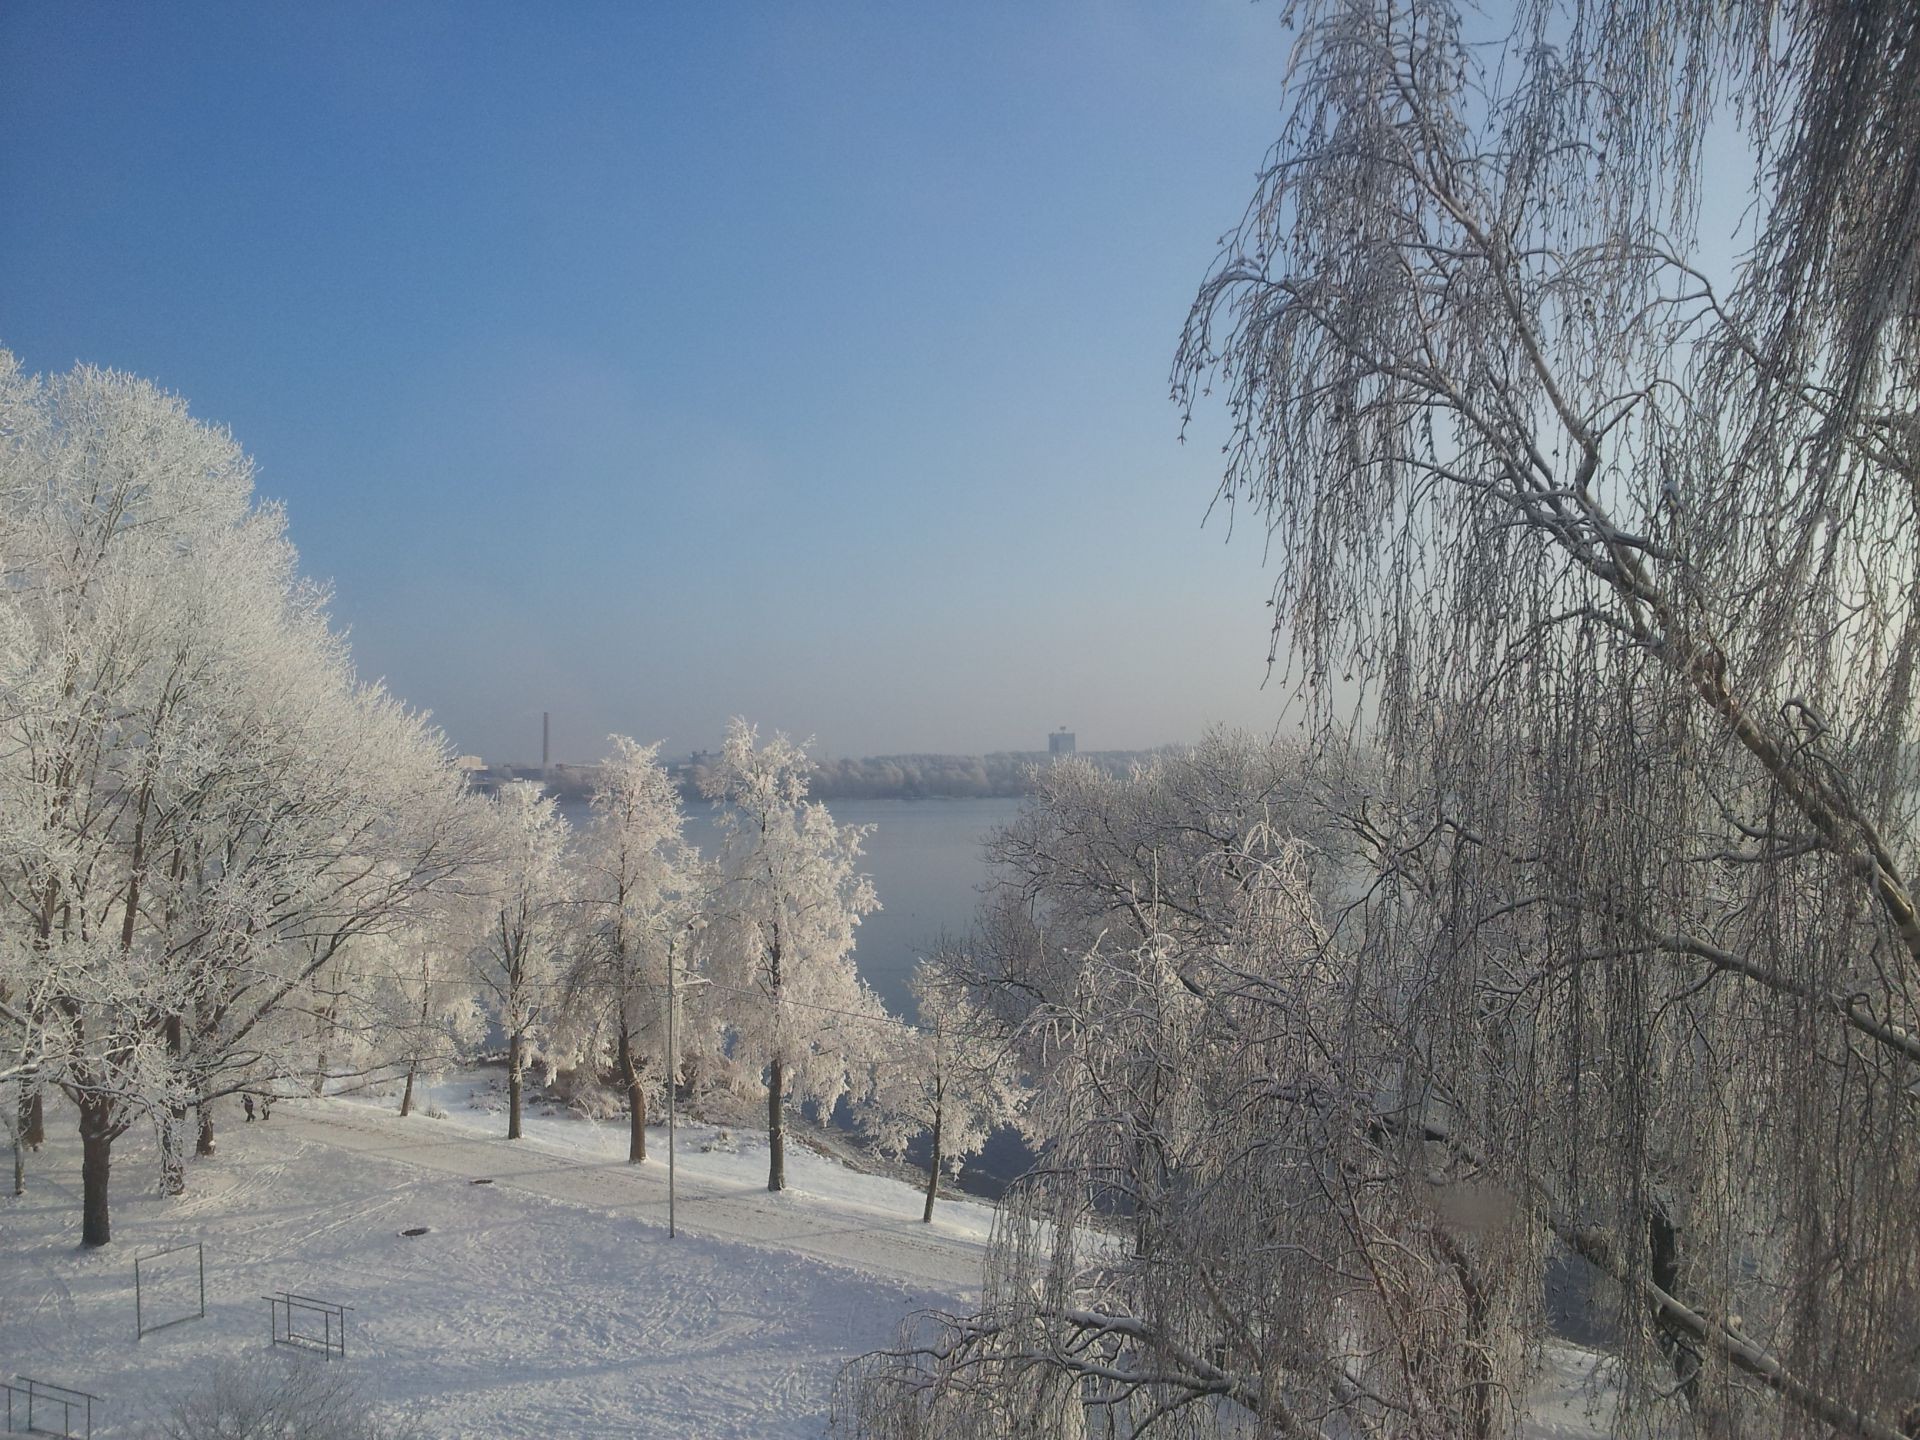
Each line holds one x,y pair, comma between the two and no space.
641,889
519,955
1611,548
780,943
203,815
954,1076
1235,1226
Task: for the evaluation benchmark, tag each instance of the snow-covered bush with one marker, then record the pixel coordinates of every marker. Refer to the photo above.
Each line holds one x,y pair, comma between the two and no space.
294,1398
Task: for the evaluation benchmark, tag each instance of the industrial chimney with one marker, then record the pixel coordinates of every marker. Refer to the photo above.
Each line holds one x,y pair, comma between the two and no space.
546,741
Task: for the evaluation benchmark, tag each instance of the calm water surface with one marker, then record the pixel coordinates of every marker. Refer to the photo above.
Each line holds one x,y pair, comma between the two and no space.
924,857
925,860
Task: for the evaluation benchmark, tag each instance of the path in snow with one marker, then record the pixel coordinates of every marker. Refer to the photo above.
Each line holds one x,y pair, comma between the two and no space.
833,1227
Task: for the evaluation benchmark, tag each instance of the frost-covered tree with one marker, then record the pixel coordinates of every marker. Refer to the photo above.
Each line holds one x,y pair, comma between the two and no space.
520,955
293,911
641,889
953,1076
1610,544
781,933
1616,540
432,1015
1227,1234
200,801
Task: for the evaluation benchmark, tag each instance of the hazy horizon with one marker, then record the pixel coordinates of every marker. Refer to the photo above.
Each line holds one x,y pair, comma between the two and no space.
651,367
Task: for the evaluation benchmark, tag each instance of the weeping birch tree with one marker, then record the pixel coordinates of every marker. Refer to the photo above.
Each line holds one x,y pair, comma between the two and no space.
1611,543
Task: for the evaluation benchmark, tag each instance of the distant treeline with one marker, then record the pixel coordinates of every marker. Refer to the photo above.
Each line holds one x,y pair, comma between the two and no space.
1006,773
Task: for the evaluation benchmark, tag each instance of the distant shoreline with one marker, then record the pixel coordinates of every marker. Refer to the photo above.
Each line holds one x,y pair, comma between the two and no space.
1006,775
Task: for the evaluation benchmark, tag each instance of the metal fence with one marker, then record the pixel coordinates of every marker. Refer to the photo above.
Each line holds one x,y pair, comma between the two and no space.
142,1323
291,1320
32,1405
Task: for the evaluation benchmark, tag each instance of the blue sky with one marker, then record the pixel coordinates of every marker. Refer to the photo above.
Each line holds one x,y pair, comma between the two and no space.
652,364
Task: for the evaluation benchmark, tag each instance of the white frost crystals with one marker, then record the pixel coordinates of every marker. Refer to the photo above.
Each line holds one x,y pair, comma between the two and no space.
780,939
204,816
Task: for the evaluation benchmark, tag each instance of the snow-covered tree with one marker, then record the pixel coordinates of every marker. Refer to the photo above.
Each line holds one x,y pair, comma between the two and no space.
1610,535
954,1077
781,934
641,889
1610,543
519,959
433,1016
1231,1231
201,803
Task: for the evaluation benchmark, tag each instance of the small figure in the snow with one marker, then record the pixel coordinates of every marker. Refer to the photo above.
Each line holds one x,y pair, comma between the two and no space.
247,1100
266,1107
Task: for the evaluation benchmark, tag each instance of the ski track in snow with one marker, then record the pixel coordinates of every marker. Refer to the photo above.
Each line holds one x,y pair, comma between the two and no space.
549,1303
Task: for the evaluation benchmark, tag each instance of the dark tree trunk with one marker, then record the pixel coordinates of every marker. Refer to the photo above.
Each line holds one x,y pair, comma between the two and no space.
33,1119
204,1144
173,1151
1663,1256
96,1159
413,1065
636,1101
933,1166
776,1127
173,1125
513,1087
1479,1382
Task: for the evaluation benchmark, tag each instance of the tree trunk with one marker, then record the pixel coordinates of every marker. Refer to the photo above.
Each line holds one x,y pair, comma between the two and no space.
173,1123
203,1145
776,1128
406,1096
173,1151
329,1024
33,1118
513,1087
636,1101
96,1158
933,1168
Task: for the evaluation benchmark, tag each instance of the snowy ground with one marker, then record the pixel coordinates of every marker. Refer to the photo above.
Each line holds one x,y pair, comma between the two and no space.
549,1302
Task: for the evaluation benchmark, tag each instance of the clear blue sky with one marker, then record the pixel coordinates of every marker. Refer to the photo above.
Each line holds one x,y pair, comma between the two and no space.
651,364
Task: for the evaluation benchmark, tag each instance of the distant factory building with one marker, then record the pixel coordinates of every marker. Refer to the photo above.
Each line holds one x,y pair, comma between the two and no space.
1060,743
469,763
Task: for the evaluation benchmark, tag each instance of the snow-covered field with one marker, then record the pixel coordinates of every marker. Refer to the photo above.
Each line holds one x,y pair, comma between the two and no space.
549,1302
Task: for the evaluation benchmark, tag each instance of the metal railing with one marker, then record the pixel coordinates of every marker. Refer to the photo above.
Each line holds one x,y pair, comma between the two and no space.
140,1325
31,1403
291,1317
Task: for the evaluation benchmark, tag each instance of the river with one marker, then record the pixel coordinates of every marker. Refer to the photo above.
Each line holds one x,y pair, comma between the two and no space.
927,867
925,860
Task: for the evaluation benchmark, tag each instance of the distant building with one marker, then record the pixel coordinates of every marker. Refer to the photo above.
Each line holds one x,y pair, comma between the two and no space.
1060,743
469,762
